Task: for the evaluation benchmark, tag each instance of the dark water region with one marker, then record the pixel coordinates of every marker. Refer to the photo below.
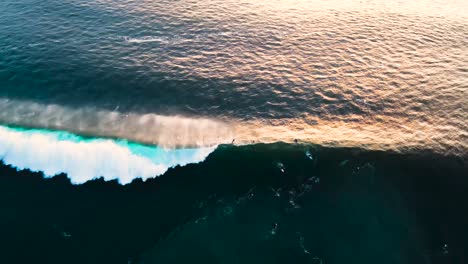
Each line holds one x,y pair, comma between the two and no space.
274,203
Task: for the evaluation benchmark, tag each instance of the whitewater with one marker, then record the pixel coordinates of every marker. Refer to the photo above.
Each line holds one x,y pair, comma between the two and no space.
83,159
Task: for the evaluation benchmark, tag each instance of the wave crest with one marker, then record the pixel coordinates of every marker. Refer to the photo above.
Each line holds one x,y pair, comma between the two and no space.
82,159
166,131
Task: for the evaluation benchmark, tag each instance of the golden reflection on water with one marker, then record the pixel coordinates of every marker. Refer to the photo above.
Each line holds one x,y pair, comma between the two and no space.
377,74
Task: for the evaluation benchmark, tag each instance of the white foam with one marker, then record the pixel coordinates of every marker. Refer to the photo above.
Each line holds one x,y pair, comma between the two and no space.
167,131
56,152
144,39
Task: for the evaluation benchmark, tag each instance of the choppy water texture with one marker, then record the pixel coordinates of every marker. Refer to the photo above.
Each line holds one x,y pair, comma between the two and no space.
374,74
370,98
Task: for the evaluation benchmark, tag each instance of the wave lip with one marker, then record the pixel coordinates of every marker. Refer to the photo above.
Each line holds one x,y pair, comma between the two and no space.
83,159
152,129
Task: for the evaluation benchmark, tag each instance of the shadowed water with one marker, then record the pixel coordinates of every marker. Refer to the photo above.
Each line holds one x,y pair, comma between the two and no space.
341,206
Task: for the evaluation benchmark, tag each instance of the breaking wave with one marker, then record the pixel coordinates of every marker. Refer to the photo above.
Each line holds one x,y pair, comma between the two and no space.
152,129
83,159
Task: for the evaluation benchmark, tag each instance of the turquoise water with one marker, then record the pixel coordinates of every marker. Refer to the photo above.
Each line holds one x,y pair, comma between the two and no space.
83,159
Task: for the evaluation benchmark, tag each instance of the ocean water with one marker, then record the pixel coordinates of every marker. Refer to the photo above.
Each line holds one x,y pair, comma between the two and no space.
206,131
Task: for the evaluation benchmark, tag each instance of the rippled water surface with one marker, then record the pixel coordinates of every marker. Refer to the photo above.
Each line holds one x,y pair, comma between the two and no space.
98,98
376,74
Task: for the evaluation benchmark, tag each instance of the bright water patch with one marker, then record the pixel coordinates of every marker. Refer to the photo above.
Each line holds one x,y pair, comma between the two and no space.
84,159
144,39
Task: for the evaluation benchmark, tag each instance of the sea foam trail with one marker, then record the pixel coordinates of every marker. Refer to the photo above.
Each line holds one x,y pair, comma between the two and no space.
153,129
144,39
83,159
362,131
